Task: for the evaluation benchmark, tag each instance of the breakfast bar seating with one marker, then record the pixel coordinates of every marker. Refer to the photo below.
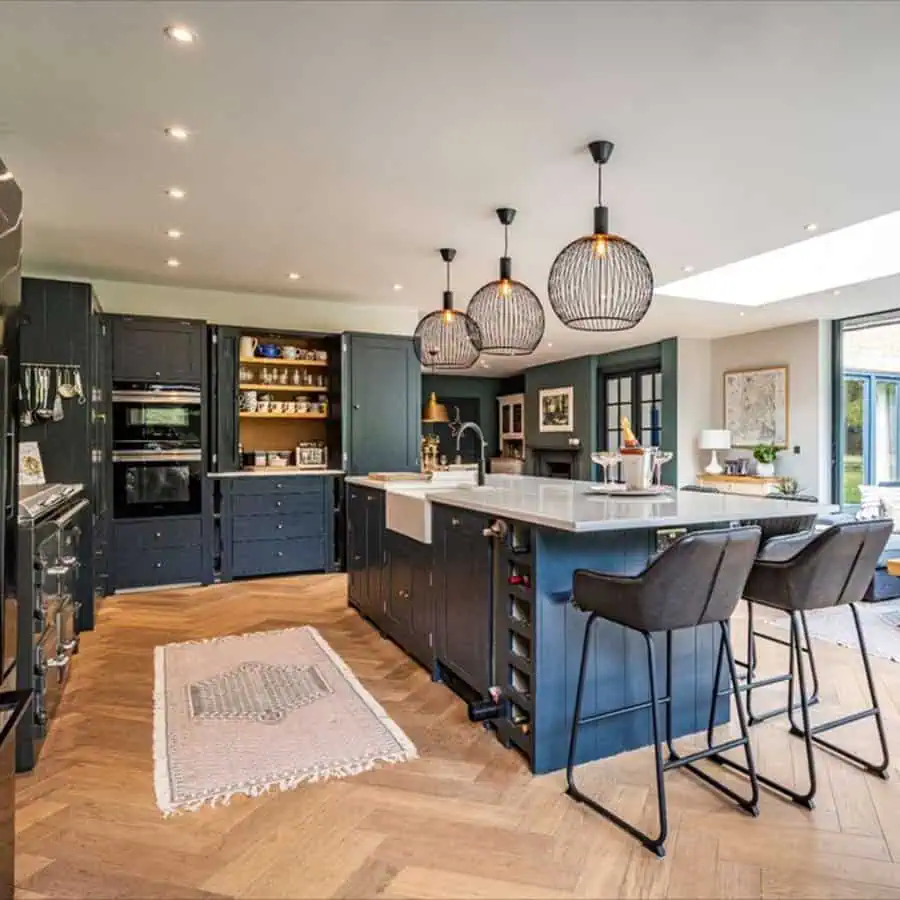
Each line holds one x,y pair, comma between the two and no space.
803,572
697,581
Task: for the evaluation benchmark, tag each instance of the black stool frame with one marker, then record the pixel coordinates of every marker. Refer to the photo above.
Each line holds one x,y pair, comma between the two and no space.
673,761
810,733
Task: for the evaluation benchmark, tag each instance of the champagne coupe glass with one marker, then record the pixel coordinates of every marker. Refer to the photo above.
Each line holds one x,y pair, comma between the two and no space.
661,458
605,459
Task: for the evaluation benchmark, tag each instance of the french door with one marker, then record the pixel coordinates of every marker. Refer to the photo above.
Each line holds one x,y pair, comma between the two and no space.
637,396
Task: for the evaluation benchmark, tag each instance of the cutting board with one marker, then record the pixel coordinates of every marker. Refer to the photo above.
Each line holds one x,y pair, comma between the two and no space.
399,476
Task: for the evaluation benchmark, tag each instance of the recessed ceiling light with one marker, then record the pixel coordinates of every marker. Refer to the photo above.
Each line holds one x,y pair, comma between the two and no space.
398,287
835,293
835,259
180,34
178,132
172,263
294,276
174,233
811,227
549,343
741,314
687,268
176,193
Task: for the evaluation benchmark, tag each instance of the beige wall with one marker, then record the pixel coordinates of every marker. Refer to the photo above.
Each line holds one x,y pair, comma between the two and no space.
694,405
806,349
252,310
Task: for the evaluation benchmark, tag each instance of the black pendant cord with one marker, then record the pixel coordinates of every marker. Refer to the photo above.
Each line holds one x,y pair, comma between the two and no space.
448,294
505,261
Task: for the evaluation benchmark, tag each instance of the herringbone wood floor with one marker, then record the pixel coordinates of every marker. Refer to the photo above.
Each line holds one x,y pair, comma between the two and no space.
464,820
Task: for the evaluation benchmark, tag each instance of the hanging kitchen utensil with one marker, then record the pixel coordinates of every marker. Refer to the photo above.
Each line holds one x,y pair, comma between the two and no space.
66,386
58,411
26,419
42,409
79,389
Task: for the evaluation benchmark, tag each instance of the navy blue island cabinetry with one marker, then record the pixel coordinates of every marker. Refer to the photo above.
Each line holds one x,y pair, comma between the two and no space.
483,600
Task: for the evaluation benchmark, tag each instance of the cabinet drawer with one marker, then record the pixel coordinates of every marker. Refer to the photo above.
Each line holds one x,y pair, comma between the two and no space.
277,528
155,567
273,484
277,504
273,557
136,537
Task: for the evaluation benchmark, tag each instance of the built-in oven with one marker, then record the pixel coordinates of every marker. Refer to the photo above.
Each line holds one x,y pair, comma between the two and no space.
152,483
164,416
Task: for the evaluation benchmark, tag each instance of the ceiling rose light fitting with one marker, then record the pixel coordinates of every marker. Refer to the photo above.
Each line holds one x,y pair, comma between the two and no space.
600,282
507,312
181,34
176,193
178,133
447,338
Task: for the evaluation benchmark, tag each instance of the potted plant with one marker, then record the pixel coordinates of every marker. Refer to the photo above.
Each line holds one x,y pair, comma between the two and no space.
765,454
788,487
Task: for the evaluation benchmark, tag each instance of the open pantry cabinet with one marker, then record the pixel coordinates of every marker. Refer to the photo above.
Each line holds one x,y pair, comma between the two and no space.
278,400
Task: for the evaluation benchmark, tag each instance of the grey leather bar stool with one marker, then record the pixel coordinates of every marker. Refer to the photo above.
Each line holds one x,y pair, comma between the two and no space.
696,581
798,573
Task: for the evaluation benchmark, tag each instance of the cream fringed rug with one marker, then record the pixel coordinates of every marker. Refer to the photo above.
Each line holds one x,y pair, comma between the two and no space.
247,714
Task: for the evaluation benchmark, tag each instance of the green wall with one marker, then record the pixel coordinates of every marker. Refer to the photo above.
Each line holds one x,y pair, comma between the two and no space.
484,390
581,374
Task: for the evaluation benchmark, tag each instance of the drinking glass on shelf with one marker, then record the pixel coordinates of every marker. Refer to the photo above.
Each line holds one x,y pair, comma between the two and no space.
266,375
661,458
606,459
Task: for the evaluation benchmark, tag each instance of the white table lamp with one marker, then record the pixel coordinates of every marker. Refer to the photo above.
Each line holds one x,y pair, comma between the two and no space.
715,439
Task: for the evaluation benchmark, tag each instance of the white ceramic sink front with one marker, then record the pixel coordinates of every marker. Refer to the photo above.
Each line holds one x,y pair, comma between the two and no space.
406,509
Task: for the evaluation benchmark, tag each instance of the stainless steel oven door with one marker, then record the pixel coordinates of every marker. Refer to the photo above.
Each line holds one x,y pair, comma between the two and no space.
148,485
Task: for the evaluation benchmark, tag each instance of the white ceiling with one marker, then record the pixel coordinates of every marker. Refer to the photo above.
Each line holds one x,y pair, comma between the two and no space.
347,141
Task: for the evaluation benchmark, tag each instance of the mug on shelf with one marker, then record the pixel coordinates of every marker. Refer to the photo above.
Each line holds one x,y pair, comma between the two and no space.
277,406
248,346
289,352
302,405
290,406
263,404
322,355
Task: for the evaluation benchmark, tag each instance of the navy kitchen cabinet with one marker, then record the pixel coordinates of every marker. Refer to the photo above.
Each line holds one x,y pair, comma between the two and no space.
151,349
408,604
223,407
274,525
463,614
365,553
381,404
163,551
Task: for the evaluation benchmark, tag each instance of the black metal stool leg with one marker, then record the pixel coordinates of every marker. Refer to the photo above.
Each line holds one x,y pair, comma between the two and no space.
796,653
879,769
657,844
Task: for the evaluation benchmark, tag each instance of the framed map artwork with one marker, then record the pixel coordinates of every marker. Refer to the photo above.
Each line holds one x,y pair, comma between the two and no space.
756,406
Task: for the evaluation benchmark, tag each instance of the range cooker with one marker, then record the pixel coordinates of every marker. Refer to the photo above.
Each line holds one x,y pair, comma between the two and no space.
52,520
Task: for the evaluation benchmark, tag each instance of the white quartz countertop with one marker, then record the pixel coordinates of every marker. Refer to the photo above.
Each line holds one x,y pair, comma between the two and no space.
571,505
275,472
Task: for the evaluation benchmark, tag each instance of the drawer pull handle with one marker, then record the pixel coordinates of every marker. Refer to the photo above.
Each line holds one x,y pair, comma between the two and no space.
280,553
280,525
454,522
278,485
157,535
157,565
278,503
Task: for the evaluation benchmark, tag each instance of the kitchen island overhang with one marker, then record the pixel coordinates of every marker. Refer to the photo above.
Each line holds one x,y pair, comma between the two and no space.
513,606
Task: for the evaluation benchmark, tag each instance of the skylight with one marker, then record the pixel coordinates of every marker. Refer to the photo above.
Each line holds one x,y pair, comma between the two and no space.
849,255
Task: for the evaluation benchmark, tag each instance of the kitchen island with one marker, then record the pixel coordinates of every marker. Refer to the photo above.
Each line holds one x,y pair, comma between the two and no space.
475,583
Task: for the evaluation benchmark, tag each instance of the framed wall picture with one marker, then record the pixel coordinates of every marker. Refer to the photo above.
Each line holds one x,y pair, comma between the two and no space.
756,406
557,409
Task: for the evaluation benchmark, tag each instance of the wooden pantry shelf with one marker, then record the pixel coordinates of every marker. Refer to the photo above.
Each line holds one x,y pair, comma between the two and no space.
316,389
269,415
280,361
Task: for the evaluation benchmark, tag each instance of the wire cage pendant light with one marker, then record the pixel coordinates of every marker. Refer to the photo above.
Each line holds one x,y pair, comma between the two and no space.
447,338
600,282
508,312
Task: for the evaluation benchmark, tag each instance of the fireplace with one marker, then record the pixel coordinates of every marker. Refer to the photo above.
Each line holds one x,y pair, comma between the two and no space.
555,463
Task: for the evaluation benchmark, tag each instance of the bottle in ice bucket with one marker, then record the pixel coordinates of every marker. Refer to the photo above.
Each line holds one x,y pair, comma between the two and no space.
637,461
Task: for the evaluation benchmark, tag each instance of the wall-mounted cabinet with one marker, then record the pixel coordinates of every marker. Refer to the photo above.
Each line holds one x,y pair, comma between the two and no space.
149,349
511,414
